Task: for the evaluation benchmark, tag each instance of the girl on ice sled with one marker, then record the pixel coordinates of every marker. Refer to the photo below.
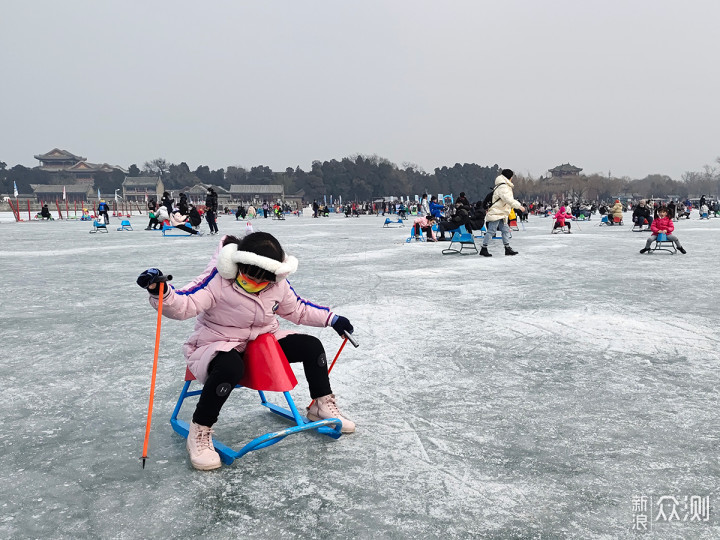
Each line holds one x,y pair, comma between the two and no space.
235,300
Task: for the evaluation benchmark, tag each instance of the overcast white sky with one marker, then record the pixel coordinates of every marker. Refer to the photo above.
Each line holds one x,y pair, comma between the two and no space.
627,86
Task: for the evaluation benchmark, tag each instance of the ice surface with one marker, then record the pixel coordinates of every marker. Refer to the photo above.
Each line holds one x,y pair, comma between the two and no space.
527,396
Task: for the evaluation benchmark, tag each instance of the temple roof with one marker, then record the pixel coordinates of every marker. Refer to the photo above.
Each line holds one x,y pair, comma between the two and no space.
566,167
59,155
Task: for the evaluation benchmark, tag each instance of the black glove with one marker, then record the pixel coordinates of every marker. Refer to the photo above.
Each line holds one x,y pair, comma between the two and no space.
148,277
341,325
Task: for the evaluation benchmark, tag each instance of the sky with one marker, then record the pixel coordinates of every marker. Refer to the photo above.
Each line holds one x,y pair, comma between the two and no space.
627,88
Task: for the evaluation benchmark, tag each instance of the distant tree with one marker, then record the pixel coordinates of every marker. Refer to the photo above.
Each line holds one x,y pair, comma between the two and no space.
133,170
109,182
156,167
24,176
179,177
235,175
261,175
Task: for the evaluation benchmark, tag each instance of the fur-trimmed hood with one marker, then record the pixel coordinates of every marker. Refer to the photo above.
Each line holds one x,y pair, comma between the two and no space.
230,258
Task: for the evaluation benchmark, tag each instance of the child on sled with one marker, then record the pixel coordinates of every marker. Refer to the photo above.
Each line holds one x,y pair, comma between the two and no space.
236,299
562,219
662,225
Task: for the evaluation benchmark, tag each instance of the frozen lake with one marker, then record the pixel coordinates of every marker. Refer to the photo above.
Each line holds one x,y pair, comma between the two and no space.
512,397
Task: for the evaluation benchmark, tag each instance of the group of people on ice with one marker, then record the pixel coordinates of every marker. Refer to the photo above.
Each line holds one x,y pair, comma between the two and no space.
183,215
492,213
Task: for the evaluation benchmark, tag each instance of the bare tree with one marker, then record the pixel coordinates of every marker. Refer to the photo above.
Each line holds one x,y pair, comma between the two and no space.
157,166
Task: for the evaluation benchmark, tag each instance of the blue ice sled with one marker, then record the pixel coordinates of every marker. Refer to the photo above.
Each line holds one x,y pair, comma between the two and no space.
389,222
266,369
465,239
169,230
99,226
663,244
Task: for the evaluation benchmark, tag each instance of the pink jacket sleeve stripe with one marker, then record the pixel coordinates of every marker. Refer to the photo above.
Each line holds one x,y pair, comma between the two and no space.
198,286
303,301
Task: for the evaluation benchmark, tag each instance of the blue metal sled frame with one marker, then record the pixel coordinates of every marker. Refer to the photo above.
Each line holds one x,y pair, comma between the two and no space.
330,427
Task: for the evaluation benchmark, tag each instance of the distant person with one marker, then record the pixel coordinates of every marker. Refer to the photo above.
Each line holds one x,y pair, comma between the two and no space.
562,219
194,216
424,205
615,213
180,221
183,204
642,215
462,200
265,209
167,202
503,201
45,212
152,208
211,205
424,224
103,209
240,214
436,209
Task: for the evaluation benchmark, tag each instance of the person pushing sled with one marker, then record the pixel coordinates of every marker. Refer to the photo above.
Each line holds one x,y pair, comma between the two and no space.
235,300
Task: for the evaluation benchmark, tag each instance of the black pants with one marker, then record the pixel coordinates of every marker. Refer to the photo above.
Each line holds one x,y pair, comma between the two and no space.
227,368
187,228
210,218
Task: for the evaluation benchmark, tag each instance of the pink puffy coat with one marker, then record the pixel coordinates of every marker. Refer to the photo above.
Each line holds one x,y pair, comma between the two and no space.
228,317
561,216
424,222
662,224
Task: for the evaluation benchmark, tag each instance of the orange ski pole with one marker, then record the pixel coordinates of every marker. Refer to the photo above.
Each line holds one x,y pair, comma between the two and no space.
161,290
348,336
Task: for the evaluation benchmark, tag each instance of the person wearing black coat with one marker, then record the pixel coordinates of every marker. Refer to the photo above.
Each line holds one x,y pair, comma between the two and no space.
477,216
152,206
461,216
167,202
641,215
211,204
183,204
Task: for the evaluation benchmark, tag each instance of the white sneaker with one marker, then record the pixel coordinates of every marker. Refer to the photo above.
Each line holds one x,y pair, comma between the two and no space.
200,446
326,407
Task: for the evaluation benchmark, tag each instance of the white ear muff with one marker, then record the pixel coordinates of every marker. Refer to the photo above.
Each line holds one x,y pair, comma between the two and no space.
226,267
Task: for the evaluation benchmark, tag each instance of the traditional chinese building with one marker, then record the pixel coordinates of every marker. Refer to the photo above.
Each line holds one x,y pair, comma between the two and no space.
135,188
58,161
257,193
564,170
73,192
198,193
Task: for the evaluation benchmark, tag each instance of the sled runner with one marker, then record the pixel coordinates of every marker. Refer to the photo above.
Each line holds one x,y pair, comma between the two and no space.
640,227
663,244
462,239
99,226
169,230
266,370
